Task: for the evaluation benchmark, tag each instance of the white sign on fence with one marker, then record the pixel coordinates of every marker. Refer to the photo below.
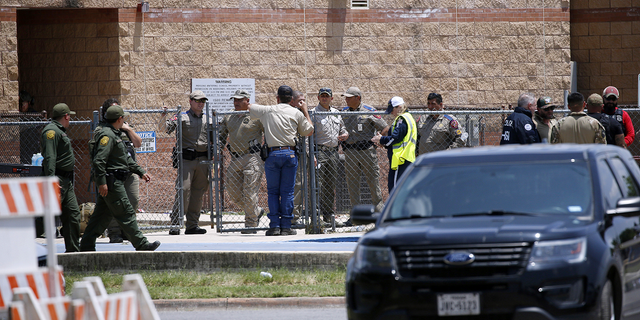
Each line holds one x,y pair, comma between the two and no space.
219,91
148,142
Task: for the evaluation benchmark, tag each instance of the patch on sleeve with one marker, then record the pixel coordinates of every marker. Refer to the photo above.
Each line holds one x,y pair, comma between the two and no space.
527,127
453,124
51,134
104,141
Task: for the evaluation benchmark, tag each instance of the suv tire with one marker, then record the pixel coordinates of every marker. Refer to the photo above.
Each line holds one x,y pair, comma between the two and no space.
607,304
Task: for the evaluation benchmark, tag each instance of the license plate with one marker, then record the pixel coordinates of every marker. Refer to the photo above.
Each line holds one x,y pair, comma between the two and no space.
458,304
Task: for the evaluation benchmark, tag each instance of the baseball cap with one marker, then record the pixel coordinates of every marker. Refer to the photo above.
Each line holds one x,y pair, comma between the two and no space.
60,110
325,90
197,95
610,90
545,102
352,92
595,100
285,91
115,112
240,94
394,102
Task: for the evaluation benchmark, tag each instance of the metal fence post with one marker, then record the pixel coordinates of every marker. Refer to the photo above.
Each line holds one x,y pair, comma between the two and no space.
315,221
180,187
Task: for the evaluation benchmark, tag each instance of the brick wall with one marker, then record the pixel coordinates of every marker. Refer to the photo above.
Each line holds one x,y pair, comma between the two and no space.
605,42
479,56
69,56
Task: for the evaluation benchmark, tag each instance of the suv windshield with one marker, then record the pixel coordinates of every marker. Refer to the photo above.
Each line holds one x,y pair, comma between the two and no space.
532,188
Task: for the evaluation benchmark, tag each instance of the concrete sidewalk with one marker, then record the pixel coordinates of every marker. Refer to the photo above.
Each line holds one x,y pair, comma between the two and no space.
214,251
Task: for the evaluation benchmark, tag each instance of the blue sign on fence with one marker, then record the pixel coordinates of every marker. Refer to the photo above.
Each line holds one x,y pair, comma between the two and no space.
148,142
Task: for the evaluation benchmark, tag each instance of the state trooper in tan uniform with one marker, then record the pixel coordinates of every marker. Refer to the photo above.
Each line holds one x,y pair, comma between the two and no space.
360,153
244,173
439,131
195,174
578,127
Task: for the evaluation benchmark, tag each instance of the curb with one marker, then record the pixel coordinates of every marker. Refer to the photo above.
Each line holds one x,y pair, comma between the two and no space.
199,260
231,303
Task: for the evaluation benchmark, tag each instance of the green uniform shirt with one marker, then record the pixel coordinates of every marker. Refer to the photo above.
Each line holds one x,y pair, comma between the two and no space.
56,149
111,154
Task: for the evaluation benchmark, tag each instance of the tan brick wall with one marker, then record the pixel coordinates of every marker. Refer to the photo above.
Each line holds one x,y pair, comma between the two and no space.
75,63
480,56
605,43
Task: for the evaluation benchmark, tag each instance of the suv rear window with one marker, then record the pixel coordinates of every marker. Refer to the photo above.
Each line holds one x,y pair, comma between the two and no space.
562,188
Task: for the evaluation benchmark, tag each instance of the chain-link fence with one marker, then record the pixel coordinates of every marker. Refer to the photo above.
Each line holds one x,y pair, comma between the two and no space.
331,178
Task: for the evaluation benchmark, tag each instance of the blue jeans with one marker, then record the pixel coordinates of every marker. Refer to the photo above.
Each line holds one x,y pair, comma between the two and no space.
280,170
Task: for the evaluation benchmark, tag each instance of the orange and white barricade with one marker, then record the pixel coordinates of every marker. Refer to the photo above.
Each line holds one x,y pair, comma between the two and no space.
31,293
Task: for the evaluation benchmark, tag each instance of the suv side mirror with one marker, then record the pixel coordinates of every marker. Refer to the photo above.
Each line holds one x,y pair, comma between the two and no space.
626,207
364,214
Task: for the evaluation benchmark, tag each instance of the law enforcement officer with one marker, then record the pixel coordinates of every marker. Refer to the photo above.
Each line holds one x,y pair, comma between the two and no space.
245,169
578,127
359,151
519,127
195,176
111,167
612,128
281,123
302,149
611,95
329,131
132,185
439,132
59,161
401,141
543,117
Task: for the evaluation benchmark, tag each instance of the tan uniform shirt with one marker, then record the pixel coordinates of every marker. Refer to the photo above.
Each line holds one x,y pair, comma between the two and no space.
194,130
362,127
327,127
281,123
543,128
242,131
578,127
441,133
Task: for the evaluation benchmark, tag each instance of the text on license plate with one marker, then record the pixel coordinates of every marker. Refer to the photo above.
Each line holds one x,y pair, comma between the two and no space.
458,304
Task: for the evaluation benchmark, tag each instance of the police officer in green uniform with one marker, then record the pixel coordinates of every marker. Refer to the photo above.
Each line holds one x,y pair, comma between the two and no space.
59,160
112,165
132,185
360,153
244,173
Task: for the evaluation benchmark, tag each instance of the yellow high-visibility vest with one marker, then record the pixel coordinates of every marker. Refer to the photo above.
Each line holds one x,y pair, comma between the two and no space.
406,149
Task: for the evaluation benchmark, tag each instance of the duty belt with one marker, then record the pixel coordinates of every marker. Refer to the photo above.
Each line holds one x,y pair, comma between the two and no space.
327,148
253,149
64,174
360,145
119,174
282,148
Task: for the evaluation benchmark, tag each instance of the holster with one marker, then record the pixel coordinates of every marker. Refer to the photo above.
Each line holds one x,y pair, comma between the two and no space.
264,152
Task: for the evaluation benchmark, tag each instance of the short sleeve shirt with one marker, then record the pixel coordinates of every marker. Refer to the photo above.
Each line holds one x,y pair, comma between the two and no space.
441,133
327,127
362,127
194,130
242,131
281,122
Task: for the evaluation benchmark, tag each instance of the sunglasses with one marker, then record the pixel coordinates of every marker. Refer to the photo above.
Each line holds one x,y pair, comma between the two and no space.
200,100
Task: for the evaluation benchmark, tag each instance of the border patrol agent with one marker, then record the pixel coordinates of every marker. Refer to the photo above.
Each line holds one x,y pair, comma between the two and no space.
401,142
112,165
132,185
59,160
360,153
195,170
244,173
439,132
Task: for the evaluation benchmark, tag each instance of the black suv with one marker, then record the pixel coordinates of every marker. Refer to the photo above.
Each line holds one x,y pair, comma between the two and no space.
511,232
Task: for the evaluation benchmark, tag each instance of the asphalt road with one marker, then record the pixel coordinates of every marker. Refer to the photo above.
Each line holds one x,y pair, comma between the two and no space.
262,314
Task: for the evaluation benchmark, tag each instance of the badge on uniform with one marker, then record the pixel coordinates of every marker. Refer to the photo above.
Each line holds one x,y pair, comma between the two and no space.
527,127
453,124
51,134
104,141
359,126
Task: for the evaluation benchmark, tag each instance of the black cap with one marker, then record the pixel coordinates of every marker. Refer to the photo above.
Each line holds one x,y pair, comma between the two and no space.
285,91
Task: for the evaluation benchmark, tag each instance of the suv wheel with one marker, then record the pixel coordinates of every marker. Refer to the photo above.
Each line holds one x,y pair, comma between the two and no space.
607,306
